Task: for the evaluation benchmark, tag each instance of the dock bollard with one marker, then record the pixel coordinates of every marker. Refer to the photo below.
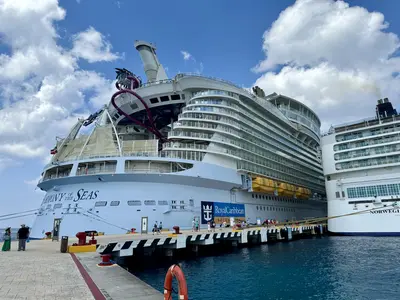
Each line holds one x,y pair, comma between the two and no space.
64,244
106,260
176,228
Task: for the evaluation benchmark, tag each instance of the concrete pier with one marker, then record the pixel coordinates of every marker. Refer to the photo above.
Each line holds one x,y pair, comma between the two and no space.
42,272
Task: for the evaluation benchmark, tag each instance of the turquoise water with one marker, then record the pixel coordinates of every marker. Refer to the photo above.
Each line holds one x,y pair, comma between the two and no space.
348,268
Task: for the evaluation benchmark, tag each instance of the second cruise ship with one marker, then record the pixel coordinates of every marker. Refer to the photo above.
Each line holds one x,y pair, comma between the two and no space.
190,148
361,162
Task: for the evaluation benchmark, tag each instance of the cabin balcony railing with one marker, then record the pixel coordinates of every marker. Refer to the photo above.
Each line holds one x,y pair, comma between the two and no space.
147,170
93,171
56,176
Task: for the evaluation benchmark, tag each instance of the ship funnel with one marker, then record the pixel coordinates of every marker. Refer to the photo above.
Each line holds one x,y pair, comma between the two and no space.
153,69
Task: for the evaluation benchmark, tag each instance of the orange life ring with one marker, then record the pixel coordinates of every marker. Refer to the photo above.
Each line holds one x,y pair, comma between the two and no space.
175,271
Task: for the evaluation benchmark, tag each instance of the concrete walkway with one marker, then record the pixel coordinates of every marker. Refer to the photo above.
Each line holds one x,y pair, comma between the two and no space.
117,283
43,272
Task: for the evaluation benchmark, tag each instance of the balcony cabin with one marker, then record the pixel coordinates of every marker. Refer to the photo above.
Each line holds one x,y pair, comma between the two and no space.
97,167
58,172
148,166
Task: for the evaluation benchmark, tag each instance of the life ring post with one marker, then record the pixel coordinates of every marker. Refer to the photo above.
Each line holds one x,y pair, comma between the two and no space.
175,271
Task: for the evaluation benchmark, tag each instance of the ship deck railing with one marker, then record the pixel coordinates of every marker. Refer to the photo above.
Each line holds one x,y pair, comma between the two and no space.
116,154
360,124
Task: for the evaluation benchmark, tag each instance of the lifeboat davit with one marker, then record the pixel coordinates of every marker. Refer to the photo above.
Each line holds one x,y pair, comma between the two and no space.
175,271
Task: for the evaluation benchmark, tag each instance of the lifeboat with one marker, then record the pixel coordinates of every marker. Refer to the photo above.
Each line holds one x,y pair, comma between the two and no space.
286,189
307,193
299,192
302,193
282,187
263,185
291,190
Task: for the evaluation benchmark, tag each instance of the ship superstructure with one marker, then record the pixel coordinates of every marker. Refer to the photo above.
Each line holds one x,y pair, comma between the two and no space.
174,150
361,162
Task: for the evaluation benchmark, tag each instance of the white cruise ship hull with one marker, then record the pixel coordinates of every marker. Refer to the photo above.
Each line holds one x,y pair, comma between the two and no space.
121,202
362,198
381,222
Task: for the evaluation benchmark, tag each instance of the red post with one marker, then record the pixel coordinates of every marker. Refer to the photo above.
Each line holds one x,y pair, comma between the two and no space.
93,241
81,238
106,260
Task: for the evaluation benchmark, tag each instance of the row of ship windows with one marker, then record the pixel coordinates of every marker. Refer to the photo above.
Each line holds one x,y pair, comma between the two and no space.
265,197
134,203
270,132
264,147
366,133
262,102
368,142
155,100
296,115
272,208
282,166
368,162
250,112
368,152
311,164
304,113
274,167
375,190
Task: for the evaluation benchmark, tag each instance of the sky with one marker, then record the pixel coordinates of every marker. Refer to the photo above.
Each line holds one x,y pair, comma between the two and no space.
57,61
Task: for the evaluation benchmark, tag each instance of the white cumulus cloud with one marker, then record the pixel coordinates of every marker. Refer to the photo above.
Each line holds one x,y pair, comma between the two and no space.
186,55
92,46
42,88
336,58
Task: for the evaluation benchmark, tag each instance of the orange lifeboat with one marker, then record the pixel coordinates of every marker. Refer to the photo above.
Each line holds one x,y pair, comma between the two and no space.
263,185
175,271
299,192
302,193
282,188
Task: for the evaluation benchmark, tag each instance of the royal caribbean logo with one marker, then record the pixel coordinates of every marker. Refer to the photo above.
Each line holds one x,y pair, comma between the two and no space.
217,211
207,212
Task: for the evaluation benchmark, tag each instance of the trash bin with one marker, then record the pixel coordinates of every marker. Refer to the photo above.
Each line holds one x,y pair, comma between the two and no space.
64,244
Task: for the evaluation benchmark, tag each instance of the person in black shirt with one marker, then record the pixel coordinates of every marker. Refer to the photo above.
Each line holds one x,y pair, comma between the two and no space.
23,234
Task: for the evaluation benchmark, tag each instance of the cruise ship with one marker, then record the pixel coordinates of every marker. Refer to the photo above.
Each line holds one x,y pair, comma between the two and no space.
361,163
174,151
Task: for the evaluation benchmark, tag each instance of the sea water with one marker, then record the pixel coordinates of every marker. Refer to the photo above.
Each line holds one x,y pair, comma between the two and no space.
14,232
348,268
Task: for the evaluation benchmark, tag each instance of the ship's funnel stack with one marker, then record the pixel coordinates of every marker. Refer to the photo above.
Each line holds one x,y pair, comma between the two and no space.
153,69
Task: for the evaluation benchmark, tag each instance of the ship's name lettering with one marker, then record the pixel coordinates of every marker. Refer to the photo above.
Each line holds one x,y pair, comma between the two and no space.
83,194
56,197
385,211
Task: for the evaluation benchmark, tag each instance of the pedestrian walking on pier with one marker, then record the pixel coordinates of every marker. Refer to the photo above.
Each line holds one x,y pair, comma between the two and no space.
7,240
160,227
155,228
23,234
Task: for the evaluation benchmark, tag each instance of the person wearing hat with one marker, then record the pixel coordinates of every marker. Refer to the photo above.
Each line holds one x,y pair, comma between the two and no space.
7,240
23,234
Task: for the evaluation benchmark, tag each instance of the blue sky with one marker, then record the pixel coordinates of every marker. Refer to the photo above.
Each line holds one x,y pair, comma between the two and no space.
331,64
